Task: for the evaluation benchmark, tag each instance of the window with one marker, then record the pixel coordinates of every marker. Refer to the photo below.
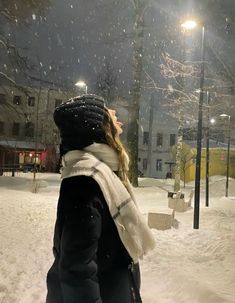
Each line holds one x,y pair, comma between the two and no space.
159,165
1,127
31,101
2,98
57,102
146,138
15,129
172,139
17,100
159,139
29,129
145,164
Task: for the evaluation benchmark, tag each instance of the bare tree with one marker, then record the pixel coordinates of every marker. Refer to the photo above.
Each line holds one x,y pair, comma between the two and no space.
186,156
20,11
140,7
106,82
182,98
181,103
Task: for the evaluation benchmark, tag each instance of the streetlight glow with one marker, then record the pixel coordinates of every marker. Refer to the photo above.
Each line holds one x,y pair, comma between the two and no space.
224,115
212,121
189,24
81,84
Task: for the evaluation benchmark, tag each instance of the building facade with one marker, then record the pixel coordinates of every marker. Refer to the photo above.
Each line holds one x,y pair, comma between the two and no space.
28,135
217,163
157,135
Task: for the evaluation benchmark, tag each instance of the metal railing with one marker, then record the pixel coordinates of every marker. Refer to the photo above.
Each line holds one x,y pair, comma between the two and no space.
12,169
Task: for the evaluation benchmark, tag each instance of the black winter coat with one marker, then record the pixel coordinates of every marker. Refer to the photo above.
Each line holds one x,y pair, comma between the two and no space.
91,264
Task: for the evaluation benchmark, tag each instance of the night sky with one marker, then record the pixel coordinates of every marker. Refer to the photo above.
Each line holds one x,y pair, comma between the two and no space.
74,40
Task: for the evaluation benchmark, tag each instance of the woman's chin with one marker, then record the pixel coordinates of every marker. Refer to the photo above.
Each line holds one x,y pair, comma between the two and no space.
119,130
119,127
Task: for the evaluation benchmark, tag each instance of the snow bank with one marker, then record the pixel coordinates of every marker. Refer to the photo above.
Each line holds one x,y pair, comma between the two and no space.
187,265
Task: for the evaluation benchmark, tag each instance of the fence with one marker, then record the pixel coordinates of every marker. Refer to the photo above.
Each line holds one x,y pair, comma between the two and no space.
12,169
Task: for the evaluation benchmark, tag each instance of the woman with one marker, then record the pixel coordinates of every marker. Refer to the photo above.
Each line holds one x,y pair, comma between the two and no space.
99,232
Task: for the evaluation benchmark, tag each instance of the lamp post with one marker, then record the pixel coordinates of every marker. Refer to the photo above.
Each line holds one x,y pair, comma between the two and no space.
207,148
189,25
81,84
228,152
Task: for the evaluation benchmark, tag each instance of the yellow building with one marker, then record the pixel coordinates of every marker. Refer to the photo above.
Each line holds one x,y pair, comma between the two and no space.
217,162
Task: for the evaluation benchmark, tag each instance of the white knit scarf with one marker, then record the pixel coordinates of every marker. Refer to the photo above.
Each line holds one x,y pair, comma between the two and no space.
99,161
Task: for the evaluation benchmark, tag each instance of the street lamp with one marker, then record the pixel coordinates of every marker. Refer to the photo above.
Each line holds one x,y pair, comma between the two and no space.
81,84
207,147
189,25
212,120
228,152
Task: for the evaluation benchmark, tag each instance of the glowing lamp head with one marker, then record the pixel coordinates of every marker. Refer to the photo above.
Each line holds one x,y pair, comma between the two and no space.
212,121
189,25
81,84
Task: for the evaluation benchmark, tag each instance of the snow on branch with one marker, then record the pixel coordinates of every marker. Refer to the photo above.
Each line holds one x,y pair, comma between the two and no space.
7,77
169,90
179,102
171,68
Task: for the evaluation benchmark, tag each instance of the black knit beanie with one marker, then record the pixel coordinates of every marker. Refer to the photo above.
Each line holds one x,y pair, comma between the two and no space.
80,122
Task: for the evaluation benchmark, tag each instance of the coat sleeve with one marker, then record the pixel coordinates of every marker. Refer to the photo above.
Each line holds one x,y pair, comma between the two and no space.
78,248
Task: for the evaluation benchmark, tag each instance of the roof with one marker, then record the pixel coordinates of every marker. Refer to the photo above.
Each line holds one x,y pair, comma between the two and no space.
21,145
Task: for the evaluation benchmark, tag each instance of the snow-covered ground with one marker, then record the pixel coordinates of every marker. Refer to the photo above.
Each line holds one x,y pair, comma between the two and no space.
187,265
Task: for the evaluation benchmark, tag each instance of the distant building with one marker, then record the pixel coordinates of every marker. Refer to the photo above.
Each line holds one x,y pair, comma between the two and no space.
217,161
156,138
28,134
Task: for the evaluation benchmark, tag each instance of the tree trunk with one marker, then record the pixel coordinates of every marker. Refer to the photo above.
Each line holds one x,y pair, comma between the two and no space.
178,156
133,129
149,154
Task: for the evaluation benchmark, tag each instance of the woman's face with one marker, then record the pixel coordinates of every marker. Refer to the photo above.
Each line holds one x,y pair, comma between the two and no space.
116,123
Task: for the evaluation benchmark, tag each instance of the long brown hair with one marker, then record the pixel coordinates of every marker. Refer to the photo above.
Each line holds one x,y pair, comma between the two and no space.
113,141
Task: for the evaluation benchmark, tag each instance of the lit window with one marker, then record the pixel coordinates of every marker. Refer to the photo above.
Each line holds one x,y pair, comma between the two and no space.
17,100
